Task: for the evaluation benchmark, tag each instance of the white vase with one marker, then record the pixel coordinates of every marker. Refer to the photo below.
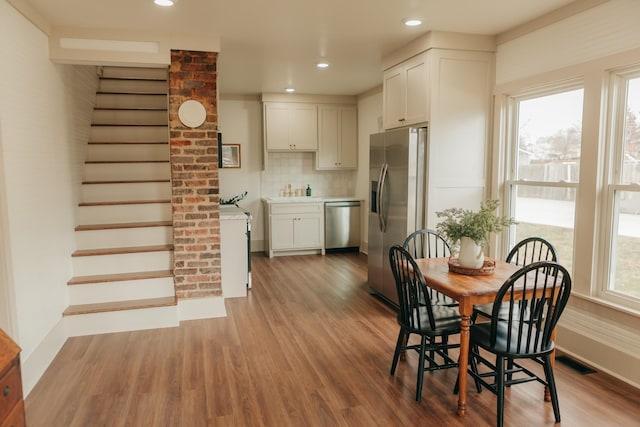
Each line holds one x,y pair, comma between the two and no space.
471,254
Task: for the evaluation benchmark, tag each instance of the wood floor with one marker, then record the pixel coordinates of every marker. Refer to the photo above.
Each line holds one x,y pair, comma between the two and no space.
309,346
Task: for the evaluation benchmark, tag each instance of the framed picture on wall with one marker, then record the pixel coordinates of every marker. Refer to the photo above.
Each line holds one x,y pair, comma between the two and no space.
230,155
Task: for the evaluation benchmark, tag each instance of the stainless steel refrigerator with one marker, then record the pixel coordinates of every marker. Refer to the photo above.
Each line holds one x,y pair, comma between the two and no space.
396,209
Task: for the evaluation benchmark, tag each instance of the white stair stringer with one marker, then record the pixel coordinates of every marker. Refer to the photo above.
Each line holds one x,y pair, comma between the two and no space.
121,263
124,212
122,290
108,192
121,320
112,152
122,268
131,171
131,236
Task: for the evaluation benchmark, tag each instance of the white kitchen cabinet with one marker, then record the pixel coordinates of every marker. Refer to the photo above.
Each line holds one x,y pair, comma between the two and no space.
405,92
290,126
295,228
337,137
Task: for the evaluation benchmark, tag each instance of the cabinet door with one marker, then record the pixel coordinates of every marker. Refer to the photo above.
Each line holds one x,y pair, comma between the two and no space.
303,122
276,123
348,152
282,232
308,231
393,97
416,90
328,137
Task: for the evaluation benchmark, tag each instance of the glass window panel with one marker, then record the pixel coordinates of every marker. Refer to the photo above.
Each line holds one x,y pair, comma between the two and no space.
626,244
631,154
547,212
549,137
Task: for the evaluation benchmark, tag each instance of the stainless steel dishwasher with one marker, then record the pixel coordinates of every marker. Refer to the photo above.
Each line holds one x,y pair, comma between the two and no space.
342,225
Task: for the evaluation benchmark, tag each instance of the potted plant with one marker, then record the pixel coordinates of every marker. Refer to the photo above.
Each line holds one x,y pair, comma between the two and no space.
471,229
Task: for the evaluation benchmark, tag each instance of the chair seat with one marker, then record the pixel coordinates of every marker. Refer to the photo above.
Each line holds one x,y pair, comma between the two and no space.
486,310
447,320
511,347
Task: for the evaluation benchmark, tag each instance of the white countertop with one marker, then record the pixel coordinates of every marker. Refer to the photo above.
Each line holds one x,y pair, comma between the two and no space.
312,199
232,212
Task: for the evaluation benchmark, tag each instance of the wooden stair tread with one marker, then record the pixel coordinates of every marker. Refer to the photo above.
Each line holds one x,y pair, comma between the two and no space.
142,92
119,277
107,162
119,305
123,250
128,143
129,109
138,79
127,125
115,226
124,202
133,181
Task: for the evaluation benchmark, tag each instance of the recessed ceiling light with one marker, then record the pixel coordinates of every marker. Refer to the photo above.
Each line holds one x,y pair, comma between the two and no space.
289,89
164,2
322,65
412,22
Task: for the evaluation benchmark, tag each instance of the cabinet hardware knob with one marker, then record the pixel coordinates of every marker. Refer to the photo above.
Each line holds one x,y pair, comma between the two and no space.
6,391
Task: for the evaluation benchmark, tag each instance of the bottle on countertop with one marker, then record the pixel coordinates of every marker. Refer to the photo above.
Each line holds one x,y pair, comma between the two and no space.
308,191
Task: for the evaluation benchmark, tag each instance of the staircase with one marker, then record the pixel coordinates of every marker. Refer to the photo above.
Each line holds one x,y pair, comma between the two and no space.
123,277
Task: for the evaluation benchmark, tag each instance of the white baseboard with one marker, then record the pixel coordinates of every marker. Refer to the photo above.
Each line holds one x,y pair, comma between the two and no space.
600,344
121,321
201,308
34,365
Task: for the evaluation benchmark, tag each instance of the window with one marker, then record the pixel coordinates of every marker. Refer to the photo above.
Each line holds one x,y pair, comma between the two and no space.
542,180
622,279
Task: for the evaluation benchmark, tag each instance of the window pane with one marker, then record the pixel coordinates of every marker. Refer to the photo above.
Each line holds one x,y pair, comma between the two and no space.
548,213
626,252
549,137
631,160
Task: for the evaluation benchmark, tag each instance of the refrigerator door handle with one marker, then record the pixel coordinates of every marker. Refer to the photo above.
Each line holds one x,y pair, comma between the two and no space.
378,189
381,197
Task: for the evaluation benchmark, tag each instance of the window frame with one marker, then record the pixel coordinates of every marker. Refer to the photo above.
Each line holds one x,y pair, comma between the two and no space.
511,180
618,80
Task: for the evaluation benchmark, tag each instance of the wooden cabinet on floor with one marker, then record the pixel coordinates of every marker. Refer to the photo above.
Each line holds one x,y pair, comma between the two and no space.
11,402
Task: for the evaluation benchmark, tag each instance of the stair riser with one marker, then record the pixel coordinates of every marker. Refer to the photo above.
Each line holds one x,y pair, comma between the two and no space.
130,117
134,73
94,293
127,152
113,214
126,171
119,100
125,192
122,263
124,237
129,134
132,86
120,321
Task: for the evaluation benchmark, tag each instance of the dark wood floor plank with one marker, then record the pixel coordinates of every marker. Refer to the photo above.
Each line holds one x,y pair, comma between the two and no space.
308,346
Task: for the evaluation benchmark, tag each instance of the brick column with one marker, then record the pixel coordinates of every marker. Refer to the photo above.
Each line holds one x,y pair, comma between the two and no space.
194,177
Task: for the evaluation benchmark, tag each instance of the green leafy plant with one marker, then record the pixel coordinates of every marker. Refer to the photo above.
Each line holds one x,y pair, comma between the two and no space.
477,226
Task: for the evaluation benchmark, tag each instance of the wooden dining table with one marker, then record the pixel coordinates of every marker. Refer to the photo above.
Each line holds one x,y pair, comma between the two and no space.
467,290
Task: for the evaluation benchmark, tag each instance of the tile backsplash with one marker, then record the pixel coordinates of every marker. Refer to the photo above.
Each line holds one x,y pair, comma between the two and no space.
298,169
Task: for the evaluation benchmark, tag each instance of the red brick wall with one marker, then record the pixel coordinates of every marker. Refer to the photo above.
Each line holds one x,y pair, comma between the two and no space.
194,177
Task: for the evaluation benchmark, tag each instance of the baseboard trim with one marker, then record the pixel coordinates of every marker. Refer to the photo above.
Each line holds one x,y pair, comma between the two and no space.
201,308
35,364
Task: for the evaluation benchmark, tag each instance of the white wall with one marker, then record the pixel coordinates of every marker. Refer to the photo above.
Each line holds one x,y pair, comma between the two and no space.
240,120
45,111
584,46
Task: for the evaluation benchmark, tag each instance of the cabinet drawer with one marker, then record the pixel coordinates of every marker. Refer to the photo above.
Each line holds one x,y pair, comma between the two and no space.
16,418
10,391
295,208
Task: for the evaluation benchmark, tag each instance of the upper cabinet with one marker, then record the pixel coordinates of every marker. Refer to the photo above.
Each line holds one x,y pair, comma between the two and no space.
405,89
337,137
290,126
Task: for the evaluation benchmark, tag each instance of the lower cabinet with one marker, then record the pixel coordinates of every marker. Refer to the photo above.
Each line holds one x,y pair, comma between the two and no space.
11,402
295,228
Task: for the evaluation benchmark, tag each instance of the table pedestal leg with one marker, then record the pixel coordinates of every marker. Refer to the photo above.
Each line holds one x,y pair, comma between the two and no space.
464,362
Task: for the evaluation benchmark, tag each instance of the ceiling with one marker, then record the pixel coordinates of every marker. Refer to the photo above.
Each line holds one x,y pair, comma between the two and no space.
266,46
